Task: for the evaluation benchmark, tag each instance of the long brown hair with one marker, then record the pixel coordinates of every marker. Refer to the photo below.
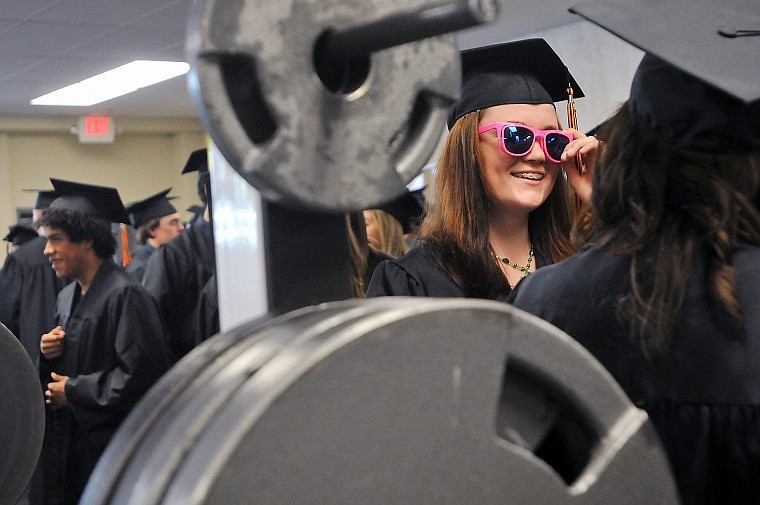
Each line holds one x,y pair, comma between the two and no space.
455,229
391,233
665,209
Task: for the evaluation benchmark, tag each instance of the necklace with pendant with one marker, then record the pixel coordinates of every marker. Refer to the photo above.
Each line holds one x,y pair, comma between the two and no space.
525,270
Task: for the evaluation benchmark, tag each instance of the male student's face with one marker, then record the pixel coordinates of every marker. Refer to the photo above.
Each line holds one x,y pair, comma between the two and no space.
66,257
169,227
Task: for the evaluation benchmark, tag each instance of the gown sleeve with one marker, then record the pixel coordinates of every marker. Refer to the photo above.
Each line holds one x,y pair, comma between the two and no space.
390,279
413,274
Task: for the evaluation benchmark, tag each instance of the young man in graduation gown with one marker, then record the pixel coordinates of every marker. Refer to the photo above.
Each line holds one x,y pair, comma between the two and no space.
108,348
157,222
179,272
29,287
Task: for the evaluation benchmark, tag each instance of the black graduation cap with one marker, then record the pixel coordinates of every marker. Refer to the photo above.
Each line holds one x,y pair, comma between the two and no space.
196,162
698,84
153,207
44,197
196,209
19,234
525,71
407,209
99,202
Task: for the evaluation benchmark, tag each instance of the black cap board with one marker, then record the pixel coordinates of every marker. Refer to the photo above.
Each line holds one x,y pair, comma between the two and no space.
524,71
196,162
153,207
98,202
18,234
697,85
44,197
196,209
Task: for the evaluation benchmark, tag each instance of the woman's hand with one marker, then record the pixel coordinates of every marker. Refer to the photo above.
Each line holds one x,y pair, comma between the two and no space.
588,147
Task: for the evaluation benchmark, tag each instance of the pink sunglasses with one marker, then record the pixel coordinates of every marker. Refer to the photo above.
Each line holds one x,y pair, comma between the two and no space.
518,139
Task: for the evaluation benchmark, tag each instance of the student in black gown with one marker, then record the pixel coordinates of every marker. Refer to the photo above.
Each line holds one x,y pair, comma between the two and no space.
108,347
157,222
501,207
183,268
666,293
29,287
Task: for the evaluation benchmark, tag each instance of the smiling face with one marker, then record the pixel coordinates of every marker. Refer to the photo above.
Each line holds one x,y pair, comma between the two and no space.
67,258
518,184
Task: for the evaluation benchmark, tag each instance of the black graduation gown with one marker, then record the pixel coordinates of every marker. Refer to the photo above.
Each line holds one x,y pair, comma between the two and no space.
114,351
703,395
175,275
413,274
374,258
136,267
207,310
28,290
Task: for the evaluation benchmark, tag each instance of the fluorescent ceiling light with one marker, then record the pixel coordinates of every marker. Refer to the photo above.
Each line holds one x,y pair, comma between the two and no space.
119,81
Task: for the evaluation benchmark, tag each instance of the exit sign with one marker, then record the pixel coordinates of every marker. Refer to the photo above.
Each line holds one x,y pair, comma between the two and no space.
96,129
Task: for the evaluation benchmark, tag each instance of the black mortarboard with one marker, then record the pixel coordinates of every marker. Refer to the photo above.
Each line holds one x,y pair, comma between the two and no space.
153,207
196,209
525,71
196,162
697,85
407,209
19,234
44,197
99,202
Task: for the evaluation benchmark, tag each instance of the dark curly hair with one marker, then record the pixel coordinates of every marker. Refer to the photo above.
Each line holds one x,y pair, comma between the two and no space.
80,227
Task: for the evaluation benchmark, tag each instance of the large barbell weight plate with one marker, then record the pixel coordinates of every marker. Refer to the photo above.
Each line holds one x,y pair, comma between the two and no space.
402,400
152,441
22,417
262,95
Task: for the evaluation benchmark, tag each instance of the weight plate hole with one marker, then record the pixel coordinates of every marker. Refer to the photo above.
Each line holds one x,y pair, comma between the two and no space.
243,88
339,75
536,414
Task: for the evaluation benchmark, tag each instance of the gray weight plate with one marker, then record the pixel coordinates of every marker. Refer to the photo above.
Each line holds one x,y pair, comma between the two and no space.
413,402
261,94
151,444
22,417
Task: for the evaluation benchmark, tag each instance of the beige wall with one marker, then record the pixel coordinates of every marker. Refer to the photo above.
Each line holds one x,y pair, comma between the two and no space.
144,159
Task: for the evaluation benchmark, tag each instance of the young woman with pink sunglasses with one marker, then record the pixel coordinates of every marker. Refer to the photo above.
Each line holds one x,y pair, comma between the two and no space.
502,205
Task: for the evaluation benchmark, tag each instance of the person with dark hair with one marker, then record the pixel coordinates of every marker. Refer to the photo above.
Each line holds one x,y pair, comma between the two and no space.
157,222
501,206
183,268
664,294
108,348
29,287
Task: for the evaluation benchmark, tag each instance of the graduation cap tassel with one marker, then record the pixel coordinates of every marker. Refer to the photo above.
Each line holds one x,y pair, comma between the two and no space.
572,122
126,256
